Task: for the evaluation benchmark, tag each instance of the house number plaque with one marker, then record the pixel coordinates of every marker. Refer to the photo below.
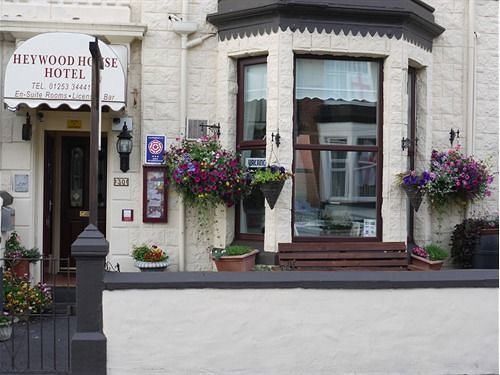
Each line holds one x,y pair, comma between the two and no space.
120,181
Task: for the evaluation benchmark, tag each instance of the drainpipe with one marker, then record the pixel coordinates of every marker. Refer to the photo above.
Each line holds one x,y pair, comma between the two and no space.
184,28
471,79
470,84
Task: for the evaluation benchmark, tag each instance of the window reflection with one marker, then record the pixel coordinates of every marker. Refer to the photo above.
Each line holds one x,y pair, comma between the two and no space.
252,207
335,193
255,104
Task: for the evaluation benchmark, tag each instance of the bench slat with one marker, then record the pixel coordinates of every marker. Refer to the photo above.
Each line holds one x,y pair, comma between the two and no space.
341,246
344,255
347,263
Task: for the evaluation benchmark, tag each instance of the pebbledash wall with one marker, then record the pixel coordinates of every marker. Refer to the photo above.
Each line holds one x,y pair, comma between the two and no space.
457,87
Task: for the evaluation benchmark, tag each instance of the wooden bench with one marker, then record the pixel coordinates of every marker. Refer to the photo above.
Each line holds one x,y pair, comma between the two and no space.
343,256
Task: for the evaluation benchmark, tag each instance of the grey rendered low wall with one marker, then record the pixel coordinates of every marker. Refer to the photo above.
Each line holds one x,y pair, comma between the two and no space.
285,323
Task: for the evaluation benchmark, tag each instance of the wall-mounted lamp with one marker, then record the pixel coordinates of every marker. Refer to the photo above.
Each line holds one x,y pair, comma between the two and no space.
454,134
27,131
405,143
124,148
276,138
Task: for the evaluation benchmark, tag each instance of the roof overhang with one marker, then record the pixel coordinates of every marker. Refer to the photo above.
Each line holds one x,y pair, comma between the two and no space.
56,69
411,19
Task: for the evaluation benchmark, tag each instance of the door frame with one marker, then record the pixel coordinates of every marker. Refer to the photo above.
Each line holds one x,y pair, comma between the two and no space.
51,234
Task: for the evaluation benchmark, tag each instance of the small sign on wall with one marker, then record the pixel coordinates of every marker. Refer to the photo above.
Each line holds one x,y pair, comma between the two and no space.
120,181
127,214
155,146
21,183
74,124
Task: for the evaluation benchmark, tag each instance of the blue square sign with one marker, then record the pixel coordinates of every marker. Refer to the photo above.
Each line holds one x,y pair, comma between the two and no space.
155,147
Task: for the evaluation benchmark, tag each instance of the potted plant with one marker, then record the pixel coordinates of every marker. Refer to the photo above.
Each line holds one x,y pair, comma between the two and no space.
204,173
5,326
414,185
270,180
150,258
19,257
474,243
236,258
430,257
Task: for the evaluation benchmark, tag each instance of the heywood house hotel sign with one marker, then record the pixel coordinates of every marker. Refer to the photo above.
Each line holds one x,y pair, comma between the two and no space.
56,69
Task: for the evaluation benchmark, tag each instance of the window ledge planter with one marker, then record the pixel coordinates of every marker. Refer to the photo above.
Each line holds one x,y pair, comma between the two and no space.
424,264
236,263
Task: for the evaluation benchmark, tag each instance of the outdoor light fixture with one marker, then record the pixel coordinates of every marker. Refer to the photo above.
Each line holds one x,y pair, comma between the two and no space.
454,134
124,147
276,138
405,143
26,133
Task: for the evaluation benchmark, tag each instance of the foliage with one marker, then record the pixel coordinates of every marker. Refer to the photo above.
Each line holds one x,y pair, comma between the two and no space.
436,252
205,174
14,251
271,173
231,250
432,252
412,178
146,253
20,297
5,319
465,236
458,178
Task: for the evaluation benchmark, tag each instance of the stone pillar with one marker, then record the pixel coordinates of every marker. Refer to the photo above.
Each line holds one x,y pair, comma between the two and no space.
88,344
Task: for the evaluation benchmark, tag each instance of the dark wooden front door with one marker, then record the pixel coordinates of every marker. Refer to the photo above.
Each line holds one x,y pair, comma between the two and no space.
74,190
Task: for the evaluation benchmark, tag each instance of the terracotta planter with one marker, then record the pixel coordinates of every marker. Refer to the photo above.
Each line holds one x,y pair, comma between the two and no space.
414,194
271,191
21,268
236,263
152,266
5,332
425,264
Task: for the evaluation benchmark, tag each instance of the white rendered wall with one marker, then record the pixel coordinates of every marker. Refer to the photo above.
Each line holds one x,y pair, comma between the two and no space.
297,331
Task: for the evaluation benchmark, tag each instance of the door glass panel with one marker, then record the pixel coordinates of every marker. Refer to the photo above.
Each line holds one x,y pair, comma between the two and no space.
255,103
76,177
335,193
252,207
101,177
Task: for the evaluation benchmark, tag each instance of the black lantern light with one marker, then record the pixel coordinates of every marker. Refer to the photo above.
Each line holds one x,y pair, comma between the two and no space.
26,131
124,148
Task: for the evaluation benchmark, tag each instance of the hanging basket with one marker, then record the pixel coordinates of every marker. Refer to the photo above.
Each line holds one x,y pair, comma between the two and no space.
414,194
271,191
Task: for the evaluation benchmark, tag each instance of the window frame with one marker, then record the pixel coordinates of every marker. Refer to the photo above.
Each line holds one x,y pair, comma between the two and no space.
241,144
378,149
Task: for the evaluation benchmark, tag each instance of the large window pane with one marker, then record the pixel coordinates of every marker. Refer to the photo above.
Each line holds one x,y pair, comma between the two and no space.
255,95
335,193
336,98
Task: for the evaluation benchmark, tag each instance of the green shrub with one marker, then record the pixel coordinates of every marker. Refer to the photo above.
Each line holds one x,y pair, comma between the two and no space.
436,252
464,238
231,250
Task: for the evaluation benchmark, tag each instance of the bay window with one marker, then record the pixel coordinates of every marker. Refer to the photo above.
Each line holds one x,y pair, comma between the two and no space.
338,150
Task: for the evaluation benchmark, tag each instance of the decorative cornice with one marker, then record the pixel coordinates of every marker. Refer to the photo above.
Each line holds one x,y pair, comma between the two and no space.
409,19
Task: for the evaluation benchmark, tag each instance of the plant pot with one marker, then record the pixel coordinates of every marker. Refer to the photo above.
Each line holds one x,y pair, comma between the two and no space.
271,191
414,194
21,268
236,263
485,253
151,266
5,332
424,264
